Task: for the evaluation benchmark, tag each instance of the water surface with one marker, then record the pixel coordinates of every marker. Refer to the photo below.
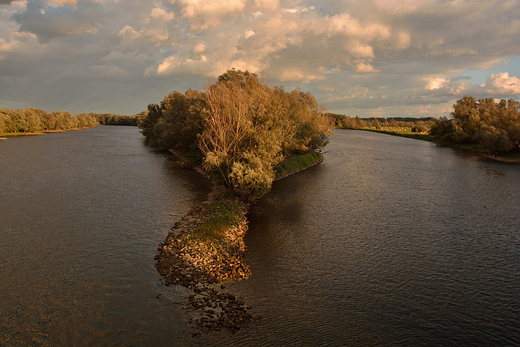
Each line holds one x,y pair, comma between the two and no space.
390,241
81,214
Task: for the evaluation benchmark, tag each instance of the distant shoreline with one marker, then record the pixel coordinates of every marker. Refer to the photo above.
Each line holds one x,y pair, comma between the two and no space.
429,138
7,135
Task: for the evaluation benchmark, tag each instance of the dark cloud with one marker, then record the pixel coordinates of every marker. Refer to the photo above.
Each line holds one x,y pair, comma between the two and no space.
372,57
48,22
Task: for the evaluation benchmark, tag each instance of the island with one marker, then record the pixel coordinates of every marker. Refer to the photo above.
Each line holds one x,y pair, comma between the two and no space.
242,135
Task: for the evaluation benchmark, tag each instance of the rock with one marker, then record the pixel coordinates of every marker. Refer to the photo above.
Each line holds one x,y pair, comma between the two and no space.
202,270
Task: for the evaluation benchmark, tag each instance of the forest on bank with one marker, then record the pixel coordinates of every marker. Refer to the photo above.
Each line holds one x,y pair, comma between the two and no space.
419,125
239,127
483,125
487,124
35,120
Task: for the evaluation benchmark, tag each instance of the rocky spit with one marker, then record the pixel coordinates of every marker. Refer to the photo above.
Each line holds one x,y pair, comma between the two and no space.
203,270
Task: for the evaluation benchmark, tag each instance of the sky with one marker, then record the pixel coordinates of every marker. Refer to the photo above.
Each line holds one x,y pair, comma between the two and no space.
371,58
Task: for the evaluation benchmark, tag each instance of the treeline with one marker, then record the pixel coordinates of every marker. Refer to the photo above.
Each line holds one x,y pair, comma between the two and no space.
492,126
34,120
346,122
117,119
240,127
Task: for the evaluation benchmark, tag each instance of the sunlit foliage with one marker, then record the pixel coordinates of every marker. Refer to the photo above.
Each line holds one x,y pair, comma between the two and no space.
493,126
243,128
35,120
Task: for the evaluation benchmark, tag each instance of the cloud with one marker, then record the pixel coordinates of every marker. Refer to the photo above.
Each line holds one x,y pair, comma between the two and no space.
159,13
436,82
372,56
365,68
272,5
167,65
63,2
205,14
297,74
199,48
128,56
51,22
502,84
106,70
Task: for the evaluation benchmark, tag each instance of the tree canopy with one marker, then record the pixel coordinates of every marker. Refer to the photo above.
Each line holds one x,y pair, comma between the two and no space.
242,127
34,120
493,126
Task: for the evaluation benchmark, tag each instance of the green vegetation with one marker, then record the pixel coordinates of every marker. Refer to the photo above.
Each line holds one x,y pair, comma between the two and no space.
224,213
243,133
243,128
401,125
403,132
483,125
216,243
297,161
34,120
415,128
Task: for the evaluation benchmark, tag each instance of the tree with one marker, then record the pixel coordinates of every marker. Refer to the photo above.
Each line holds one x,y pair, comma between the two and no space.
241,126
249,128
4,118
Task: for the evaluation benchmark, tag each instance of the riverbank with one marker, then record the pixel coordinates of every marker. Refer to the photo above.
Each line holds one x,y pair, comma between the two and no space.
206,248
297,163
7,135
511,158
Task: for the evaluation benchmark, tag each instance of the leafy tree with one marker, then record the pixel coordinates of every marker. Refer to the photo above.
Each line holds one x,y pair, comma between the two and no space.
4,118
242,127
249,128
493,126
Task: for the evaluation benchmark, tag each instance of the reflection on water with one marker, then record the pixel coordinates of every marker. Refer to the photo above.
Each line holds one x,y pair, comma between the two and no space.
81,214
390,241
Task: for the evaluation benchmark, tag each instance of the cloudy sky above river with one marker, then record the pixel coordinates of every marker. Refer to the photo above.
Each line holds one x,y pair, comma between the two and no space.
381,58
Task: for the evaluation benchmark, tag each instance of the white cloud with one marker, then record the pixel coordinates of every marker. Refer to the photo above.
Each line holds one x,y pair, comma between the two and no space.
377,55
159,13
199,48
300,75
365,68
205,14
249,33
166,65
502,84
436,82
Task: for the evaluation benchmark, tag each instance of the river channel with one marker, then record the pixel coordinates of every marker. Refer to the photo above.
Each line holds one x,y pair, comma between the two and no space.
389,241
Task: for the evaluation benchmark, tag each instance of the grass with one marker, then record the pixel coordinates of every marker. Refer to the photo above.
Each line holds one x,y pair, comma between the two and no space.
41,132
471,147
401,131
216,243
20,134
296,162
224,213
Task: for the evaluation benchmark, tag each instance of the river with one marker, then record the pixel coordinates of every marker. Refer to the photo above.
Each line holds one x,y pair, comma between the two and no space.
389,241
